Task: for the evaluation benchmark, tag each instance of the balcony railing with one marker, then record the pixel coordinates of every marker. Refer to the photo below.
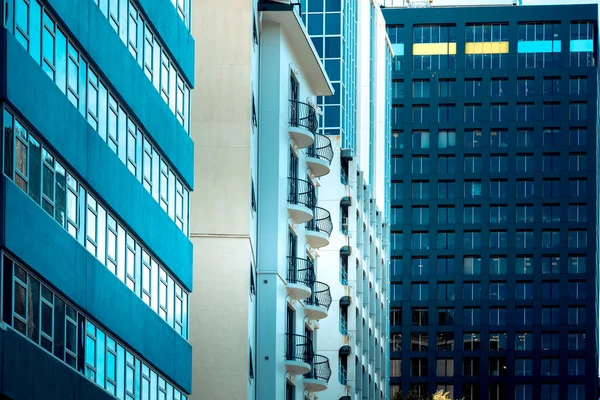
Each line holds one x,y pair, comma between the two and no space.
303,115
321,221
298,348
301,192
321,148
301,271
320,369
321,295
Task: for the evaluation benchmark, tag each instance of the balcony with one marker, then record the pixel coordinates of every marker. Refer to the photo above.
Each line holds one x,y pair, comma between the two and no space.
303,123
319,155
319,228
300,278
317,378
316,306
298,354
301,200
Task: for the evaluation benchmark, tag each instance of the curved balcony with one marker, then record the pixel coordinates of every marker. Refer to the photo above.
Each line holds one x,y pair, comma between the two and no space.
300,277
319,228
317,305
317,378
301,200
298,354
303,123
319,155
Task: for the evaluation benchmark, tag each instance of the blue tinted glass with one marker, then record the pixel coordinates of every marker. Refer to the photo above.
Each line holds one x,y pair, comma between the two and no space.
333,24
315,5
333,69
332,116
332,47
333,5
318,43
315,24
335,99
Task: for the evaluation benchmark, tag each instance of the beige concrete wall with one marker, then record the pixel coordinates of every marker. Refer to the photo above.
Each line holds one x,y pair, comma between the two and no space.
220,211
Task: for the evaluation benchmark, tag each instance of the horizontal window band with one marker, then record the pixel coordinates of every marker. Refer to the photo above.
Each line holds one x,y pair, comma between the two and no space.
424,49
486,48
398,49
540,46
582,46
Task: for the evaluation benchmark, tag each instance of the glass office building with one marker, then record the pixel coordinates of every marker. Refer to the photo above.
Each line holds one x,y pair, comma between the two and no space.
98,165
494,201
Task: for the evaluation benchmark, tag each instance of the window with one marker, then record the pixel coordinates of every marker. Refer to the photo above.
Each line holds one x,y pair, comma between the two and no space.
420,190
578,111
446,113
498,163
525,112
472,189
398,88
395,342
472,291
524,162
524,316
420,139
523,367
420,164
397,140
578,85
576,341
420,240
446,139
525,87
471,316
419,266
578,187
577,137
447,88
444,35
446,189
577,290
445,316
551,162
577,367
472,214
419,316
551,111
497,366
551,188
524,213
499,112
582,52
395,316
445,341
397,165
551,136
419,341
420,114
473,138
472,239
524,291
525,138
577,316
418,367
473,87
498,267
498,189
491,55
421,88
523,341
445,367
498,341
419,291
498,214
550,392
446,164
525,188
473,164
471,366
499,138
497,316
577,238
446,215
524,239
539,45
550,265
550,238
498,239
445,240
551,86
549,341
445,266
397,217
472,342
577,162
577,264
445,291
472,266
550,290
499,87
472,112
524,265
550,315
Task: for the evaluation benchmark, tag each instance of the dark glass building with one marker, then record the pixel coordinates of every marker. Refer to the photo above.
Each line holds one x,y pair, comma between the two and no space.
494,202
97,161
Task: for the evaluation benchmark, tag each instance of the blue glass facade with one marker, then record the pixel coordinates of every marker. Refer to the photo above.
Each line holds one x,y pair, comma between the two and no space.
494,202
332,25
98,166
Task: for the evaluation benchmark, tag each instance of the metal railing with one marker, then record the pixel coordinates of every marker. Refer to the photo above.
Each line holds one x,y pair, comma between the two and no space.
321,221
301,192
321,295
301,270
321,148
320,369
298,348
303,115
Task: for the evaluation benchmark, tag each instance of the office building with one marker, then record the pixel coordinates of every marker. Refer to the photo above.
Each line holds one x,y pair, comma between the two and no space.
494,201
351,39
98,166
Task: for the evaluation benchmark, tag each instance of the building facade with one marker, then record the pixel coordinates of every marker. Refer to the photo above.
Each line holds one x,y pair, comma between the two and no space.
98,167
352,42
494,202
